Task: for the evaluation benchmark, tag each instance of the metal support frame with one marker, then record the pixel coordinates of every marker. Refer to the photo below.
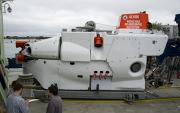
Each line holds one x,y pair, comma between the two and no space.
1,34
122,95
4,80
2,91
128,96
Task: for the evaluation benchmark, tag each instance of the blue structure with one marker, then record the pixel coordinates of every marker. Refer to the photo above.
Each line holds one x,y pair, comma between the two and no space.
173,45
172,49
177,20
13,63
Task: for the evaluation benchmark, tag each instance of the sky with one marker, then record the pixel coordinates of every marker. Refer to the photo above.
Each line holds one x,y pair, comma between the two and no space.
48,17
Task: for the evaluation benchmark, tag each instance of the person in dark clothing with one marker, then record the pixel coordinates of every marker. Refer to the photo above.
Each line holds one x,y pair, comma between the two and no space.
55,103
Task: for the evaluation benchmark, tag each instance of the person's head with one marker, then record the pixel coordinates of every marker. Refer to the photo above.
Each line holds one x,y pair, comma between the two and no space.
53,90
14,83
17,88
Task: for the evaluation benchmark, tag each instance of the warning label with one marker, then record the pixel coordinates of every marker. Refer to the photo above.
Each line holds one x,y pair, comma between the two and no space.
134,21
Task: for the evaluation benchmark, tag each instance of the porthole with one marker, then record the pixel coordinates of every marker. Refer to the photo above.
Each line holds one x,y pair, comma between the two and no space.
135,67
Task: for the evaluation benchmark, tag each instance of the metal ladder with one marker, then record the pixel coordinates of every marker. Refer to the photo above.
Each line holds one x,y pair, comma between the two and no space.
3,84
2,94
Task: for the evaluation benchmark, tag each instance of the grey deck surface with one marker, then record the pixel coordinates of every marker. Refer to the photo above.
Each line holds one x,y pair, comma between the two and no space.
111,107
